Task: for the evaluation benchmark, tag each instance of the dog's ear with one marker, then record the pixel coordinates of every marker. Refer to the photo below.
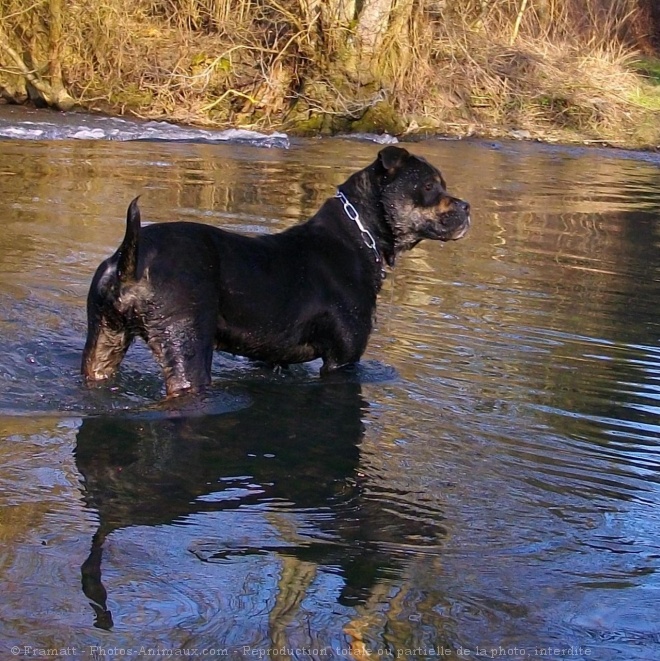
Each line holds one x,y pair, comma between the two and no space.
392,158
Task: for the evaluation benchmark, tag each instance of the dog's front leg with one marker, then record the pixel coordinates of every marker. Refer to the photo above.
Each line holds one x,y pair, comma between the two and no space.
341,341
342,356
330,367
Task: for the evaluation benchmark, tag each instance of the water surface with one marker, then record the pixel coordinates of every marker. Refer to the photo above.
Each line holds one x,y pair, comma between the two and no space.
486,485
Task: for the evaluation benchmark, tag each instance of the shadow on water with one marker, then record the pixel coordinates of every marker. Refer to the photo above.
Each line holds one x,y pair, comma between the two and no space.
296,448
615,401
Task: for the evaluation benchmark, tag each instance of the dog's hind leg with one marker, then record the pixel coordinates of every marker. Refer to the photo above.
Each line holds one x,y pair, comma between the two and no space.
104,350
184,351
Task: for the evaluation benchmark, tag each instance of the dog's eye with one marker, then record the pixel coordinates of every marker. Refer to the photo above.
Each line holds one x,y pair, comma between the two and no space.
428,186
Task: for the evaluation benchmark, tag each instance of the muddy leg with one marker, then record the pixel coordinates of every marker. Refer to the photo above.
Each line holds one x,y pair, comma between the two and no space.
185,354
104,351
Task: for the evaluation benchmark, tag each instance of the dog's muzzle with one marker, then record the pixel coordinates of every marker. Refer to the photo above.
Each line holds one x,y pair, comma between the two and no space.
463,209
463,230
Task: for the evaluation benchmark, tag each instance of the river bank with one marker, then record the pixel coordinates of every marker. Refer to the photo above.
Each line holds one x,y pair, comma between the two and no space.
16,122
573,71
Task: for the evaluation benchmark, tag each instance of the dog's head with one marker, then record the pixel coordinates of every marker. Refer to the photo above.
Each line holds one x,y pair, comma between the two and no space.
415,200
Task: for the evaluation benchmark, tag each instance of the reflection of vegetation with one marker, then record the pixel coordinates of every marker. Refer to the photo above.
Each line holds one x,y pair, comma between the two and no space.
339,65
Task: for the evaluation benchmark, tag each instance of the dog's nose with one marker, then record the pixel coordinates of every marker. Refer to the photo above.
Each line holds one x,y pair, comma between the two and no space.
464,206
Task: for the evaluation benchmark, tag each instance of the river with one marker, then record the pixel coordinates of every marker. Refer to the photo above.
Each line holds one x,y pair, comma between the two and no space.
487,485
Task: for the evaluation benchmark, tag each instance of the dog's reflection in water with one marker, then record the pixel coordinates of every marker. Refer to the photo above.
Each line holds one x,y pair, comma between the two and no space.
299,443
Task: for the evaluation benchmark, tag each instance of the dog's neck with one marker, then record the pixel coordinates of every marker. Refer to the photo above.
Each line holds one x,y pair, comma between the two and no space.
367,237
365,186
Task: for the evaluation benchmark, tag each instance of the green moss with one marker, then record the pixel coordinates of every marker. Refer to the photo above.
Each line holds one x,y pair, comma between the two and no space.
318,124
379,118
131,96
646,133
649,67
647,97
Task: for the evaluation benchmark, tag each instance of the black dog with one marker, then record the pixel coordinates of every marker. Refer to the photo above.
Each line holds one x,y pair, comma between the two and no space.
307,292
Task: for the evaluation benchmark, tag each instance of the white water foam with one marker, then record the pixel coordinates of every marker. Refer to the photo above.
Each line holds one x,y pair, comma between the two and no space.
15,124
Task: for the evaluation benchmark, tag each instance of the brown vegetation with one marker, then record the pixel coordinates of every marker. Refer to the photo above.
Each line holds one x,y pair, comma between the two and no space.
549,68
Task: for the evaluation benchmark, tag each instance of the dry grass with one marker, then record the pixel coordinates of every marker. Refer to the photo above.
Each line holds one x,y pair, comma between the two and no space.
565,75
550,67
541,86
185,60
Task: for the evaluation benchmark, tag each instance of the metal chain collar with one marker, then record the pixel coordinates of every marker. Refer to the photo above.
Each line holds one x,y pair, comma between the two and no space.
353,214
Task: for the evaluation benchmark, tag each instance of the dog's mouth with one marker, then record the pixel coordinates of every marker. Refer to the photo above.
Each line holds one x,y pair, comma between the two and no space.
461,231
450,224
450,228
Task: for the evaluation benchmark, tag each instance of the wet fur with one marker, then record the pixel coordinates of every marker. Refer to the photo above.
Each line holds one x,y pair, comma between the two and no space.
308,292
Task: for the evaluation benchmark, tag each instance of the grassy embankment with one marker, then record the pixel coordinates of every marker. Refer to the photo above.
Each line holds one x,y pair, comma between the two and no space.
569,70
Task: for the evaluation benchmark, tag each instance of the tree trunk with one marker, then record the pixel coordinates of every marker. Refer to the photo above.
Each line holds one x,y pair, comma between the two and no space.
327,22
339,12
58,94
372,28
48,88
650,10
384,37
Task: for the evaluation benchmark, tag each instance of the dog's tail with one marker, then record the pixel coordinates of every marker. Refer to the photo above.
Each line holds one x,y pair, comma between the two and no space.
127,255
